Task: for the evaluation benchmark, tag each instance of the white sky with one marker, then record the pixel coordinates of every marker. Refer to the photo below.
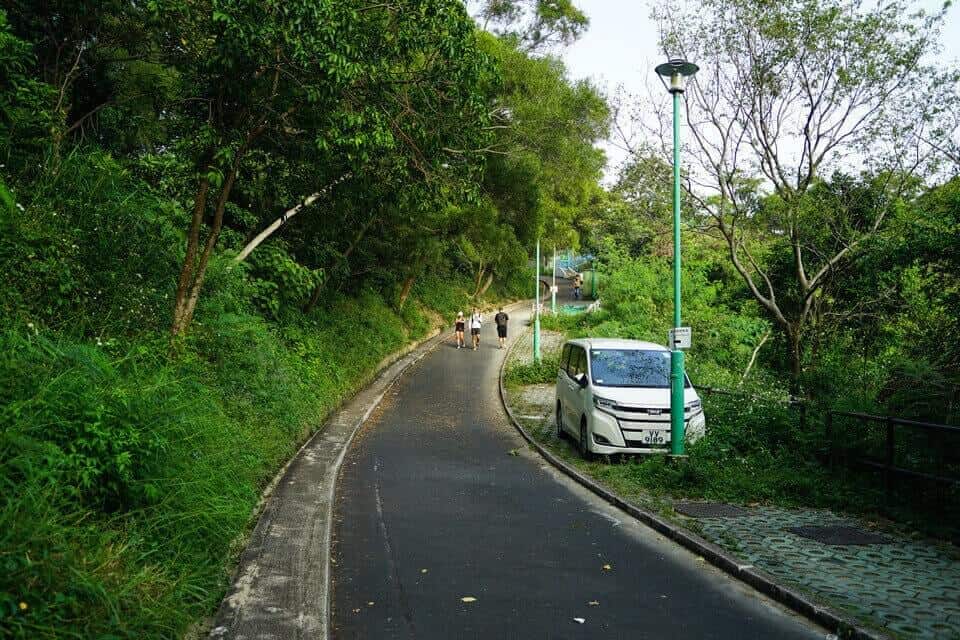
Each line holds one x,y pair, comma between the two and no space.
620,49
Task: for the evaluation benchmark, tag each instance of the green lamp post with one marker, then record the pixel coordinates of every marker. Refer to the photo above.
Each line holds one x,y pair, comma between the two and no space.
676,71
536,312
553,287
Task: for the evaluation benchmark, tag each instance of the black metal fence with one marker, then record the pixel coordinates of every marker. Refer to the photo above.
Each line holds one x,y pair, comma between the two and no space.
896,447
900,449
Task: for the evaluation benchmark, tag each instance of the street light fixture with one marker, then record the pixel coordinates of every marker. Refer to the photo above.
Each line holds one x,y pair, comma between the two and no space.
676,70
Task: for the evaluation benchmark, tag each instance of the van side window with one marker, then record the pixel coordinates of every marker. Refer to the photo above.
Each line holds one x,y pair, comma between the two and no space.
565,357
574,366
581,361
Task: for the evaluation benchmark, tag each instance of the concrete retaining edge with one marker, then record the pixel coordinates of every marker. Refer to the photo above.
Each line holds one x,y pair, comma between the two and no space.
839,624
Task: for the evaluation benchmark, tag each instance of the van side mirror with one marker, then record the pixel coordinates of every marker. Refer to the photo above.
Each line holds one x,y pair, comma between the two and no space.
582,380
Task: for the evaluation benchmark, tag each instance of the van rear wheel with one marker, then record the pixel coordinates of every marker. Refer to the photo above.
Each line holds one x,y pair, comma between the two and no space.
559,422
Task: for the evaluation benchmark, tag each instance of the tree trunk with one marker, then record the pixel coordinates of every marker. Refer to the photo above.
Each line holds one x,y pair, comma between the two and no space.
405,291
276,224
318,290
480,273
194,272
189,265
289,213
486,285
796,359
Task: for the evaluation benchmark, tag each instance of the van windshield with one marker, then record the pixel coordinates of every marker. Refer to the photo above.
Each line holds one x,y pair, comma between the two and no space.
631,368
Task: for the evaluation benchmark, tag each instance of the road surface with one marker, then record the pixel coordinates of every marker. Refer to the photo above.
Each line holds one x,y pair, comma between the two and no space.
439,500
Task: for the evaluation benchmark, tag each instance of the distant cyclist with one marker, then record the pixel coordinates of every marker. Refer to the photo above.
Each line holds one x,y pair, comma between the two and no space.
501,319
459,326
475,321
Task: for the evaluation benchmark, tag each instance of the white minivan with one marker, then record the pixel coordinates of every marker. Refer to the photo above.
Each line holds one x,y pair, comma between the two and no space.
614,397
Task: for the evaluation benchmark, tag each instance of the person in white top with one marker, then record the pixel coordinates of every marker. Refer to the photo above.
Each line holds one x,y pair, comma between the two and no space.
475,321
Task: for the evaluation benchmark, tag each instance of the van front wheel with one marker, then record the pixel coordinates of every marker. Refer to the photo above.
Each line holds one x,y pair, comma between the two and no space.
560,433
585,452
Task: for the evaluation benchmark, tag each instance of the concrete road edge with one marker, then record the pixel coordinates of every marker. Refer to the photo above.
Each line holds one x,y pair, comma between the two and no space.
839,624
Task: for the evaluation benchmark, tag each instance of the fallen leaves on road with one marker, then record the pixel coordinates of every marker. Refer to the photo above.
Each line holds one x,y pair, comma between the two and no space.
514,452
356,610
423,570
371,603
468,599
593,603
579,620
607,567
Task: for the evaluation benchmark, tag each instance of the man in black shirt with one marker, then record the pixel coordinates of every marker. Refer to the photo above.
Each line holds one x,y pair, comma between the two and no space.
501,319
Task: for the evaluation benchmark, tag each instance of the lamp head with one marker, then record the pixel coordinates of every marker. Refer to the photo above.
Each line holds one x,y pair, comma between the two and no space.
677,70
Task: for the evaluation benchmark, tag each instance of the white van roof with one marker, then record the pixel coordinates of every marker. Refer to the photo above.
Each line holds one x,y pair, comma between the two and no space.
617,343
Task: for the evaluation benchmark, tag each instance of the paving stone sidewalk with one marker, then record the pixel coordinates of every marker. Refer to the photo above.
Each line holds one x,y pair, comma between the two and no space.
904,584
908,586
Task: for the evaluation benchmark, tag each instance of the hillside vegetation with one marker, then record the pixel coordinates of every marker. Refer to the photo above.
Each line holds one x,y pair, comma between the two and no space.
216,219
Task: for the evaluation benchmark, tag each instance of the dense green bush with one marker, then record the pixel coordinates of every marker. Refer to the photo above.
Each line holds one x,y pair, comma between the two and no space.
542,372
90,249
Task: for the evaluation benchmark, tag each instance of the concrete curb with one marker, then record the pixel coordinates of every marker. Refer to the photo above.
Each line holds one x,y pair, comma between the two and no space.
718,557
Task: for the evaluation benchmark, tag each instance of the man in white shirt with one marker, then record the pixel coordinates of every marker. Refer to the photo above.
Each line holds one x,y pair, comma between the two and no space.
475,321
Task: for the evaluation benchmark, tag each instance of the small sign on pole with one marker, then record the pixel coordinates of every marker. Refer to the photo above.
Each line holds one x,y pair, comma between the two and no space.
554,289
679,338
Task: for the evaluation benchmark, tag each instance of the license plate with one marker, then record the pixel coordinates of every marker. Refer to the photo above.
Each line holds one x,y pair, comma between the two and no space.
651,436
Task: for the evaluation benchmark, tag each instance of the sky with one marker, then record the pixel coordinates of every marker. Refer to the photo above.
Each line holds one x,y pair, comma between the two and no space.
620,49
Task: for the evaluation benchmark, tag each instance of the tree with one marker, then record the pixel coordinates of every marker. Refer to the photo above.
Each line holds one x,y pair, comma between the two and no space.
535,25
787,91
545,167
636,212
386,89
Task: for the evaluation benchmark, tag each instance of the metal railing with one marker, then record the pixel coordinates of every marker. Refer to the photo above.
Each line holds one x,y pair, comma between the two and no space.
934,449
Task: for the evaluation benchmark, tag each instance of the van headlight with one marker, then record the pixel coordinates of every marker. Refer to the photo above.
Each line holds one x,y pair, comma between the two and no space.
604,403
693,407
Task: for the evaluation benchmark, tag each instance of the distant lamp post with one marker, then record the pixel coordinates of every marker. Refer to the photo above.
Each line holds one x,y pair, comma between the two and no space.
536,312
553,288
675,74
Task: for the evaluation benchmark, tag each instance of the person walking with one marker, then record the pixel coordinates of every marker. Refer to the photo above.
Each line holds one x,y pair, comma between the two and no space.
577,281
501,319
459,326
475,321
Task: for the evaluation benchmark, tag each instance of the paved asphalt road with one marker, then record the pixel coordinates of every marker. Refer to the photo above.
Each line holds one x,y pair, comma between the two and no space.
432,507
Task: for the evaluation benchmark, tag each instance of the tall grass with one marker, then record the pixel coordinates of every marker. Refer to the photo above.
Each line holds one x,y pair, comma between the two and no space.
128,473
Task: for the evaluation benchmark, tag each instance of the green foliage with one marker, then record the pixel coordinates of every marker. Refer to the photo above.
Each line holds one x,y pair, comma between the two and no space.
877,345
543,372
280,281
535,24
549,173
637,303
142,145
128,472
26,104
90,249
